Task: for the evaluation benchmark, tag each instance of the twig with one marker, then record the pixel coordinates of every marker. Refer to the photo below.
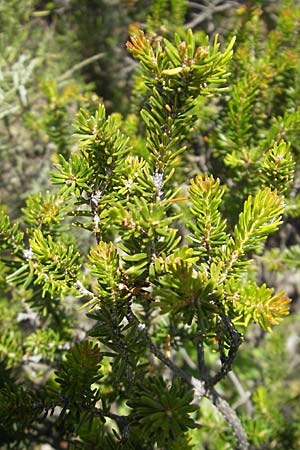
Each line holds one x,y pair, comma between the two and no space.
195,5
229,414
186,357
244,395
79,66
198,385
208,12
227,361
123,422
200,390
201,362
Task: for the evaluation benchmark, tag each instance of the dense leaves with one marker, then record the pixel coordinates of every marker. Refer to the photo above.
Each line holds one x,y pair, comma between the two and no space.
152,239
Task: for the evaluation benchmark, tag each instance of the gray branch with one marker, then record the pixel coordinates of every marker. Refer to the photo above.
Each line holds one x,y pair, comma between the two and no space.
200,389
229,414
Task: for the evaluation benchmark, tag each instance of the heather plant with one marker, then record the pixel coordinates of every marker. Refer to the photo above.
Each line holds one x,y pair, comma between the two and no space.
125,335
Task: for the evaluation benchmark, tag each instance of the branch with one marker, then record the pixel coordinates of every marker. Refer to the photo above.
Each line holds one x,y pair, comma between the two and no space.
201,362
187,359
79,66
229,414
195,383
123,422
13,109
227,361
244,395
199,387
208,11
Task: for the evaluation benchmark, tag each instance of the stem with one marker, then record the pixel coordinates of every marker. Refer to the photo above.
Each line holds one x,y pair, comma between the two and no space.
123,422
244,395
200,390
227,361
201,362
79,66
197,384
229,414
208,11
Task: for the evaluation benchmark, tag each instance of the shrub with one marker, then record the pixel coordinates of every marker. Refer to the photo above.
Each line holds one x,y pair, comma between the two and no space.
169,280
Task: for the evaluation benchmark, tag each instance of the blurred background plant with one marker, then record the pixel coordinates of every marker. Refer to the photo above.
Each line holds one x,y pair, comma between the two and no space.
41,87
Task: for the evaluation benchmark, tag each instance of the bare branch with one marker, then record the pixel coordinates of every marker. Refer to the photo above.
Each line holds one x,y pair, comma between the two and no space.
244,396
79,66
229,414
201,362
208,11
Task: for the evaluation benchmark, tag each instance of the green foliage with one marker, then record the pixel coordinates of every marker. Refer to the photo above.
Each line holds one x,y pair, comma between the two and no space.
260,114
176,76
278,167
20,406
209,231
258,304
102,142
44,212
52,265
162,413
276,389
10,236
72,175
161,9
106,268
77,374
173,217
43,344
